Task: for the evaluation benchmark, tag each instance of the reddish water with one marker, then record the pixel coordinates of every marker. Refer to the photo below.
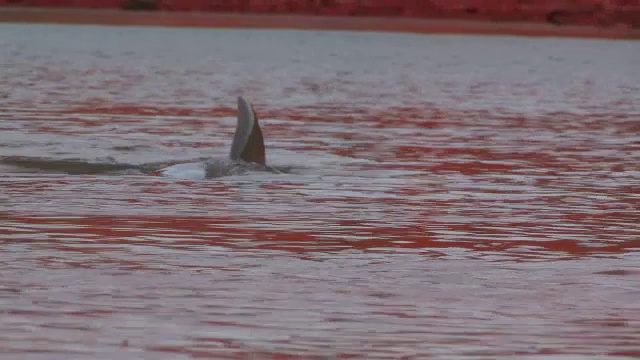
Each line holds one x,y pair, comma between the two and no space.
450,197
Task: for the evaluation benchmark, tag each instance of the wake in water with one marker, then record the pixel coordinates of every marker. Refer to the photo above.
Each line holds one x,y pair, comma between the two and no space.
73,167
200,168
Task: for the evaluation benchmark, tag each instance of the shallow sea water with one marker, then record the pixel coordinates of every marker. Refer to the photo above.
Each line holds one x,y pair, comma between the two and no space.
450,197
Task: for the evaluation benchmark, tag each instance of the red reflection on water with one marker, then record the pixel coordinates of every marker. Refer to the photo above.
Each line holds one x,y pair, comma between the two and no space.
433,238
228,232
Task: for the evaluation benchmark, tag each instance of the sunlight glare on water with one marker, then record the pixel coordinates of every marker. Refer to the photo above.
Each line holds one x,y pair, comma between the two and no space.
458,197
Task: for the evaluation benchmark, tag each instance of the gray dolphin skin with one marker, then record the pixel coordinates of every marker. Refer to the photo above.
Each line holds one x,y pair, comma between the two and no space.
248,144
247,151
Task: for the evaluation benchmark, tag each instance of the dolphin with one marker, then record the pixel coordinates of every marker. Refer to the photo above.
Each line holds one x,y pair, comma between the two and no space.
247,152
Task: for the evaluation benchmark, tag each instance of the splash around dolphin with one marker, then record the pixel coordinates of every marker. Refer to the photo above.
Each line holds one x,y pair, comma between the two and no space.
247,152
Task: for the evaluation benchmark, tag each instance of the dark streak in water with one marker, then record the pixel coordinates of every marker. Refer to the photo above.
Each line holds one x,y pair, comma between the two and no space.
75,167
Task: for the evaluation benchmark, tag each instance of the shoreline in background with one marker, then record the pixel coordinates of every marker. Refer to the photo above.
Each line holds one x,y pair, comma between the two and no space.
307,22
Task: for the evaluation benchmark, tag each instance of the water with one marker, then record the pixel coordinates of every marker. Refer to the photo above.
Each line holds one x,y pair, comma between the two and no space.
450,197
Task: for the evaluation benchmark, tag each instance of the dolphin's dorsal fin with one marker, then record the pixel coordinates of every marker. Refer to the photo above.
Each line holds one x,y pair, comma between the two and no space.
248,144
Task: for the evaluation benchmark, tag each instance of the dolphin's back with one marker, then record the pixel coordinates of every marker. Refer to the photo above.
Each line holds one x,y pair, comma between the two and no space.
248,144
247,152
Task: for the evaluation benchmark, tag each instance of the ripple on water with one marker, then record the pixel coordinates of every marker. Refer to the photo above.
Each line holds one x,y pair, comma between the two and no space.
443,201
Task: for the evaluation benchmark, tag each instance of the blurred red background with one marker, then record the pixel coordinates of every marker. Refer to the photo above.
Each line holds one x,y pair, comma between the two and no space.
575,12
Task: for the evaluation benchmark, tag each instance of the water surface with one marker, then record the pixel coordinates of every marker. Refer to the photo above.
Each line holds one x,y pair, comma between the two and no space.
451,197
